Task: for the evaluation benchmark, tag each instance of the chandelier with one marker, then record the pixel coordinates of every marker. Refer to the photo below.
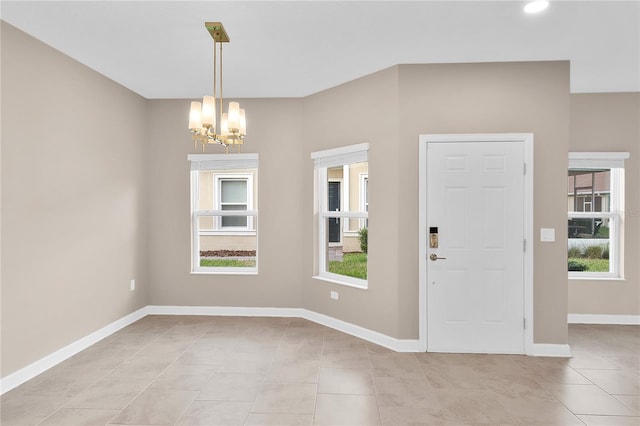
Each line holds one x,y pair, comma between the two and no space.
205,128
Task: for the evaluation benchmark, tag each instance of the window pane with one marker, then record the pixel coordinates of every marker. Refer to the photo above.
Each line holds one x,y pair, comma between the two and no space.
233,191
228,250
234,221
346,256
589,244
589,190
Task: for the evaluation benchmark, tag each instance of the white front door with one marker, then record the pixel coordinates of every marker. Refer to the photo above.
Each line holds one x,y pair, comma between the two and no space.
475,287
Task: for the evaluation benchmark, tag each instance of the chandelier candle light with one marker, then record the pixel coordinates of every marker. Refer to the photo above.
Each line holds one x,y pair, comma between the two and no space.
202,117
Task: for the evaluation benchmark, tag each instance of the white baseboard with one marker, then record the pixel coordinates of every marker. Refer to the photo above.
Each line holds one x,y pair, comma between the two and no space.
17,378
551,350
225,311
398,345
603,319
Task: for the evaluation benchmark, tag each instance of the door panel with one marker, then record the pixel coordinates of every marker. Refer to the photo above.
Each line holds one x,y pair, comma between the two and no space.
476,289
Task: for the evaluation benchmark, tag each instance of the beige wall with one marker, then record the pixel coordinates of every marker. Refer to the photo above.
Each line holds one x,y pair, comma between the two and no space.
491,98
611,122
74,207
275,133
364,110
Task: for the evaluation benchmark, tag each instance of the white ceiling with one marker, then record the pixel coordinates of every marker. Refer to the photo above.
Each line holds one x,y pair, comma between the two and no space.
160,49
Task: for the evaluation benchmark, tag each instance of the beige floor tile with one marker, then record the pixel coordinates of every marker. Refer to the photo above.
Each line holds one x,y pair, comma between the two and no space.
291,398
455,377
517,386
414,416
63,382
101,356
401,392
346,410
168,352
555,374
473,406
109,394
298,351
255,419
610,421
356,381
22,410
592,361
203,355
300,371
246,363
256,346
159,407
139,368
631,401
630,362
184,377
215,413
626,382
79,417
394,365
590,399
532,411
344,356
232,387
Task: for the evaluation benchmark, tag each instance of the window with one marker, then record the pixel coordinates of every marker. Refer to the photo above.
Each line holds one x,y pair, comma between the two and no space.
234,193
341,180
595,200
224,214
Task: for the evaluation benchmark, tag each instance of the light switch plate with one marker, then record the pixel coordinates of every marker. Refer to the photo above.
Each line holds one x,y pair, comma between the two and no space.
547,235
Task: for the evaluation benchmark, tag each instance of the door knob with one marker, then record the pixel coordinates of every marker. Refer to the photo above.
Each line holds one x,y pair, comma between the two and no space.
435,257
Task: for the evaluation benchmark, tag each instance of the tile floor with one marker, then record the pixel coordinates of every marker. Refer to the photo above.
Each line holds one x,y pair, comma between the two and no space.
166,370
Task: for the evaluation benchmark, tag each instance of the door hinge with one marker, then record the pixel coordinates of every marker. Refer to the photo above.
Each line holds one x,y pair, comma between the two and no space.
524,245
524,323
524,169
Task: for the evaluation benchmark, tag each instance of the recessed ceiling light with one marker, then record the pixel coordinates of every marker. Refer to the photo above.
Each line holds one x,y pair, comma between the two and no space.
536,6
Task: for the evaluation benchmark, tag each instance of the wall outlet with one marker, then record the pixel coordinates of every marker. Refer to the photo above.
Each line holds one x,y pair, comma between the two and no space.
132,285
335,295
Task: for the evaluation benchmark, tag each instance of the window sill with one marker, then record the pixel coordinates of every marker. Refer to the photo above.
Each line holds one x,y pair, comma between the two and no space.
228,233
596,278
364,286
225,272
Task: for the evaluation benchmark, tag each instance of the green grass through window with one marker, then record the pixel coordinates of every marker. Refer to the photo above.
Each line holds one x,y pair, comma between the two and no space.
228,263
352,265
593,265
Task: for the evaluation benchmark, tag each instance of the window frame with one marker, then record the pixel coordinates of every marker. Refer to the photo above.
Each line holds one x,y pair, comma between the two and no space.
323,160
363,190
614,162
224,163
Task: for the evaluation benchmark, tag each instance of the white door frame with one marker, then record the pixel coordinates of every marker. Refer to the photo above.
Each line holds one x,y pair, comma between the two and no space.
527,140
